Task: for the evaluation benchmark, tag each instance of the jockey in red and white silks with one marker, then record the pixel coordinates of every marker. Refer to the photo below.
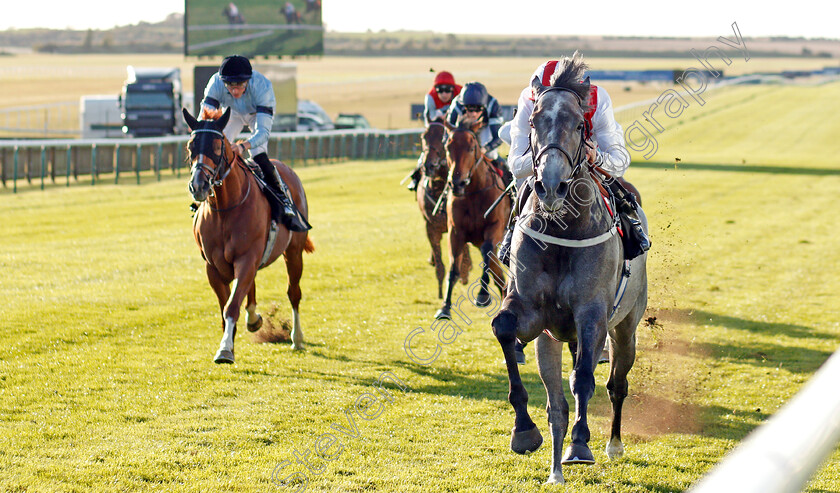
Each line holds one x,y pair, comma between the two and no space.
603,130
439,97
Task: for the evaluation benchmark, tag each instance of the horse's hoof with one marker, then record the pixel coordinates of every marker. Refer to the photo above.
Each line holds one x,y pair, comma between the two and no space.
443,314
615,448
256,325
297,346
525,442
224,356
578,454
482,300
556,478
605,357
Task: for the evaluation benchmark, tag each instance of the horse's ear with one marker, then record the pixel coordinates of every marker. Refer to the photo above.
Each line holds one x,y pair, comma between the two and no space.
223,121
476,125
537,87
586,84
191,121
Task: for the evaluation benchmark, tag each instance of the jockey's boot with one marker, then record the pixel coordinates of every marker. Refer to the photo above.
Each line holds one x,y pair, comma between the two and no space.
415,178
417,173
636,229
504,248
522,197
629,214
501,165
287,208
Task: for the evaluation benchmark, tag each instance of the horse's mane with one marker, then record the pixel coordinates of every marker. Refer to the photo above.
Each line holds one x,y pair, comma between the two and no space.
570,76
211,113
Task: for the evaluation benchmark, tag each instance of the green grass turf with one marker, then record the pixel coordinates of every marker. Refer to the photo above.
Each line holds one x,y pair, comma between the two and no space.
107,381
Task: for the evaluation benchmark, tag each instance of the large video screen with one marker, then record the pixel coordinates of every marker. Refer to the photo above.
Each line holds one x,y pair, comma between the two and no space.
253,27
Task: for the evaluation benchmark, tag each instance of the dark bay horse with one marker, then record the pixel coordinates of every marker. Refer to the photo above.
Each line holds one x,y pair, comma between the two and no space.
429,191
567,264
474,184
232,226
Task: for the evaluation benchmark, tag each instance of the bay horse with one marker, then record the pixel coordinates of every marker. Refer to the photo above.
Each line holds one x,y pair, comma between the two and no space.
567,266
429,191
231,228
474,184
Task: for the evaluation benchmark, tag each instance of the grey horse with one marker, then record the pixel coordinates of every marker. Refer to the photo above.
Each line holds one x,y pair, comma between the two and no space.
567,272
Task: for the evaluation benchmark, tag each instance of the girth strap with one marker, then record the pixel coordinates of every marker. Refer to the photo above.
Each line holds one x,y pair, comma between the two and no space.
269,244
597,240
622,287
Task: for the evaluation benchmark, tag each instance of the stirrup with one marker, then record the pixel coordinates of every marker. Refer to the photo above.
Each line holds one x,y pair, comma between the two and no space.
504,248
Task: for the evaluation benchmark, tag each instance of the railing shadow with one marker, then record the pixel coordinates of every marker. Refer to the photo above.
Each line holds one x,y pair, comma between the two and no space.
740,168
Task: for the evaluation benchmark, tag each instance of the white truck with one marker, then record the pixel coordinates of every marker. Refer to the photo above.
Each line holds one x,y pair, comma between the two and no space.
99,117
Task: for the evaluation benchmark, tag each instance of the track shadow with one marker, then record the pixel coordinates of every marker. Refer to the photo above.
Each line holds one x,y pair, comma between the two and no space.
795,359
740,168
472,385
789,330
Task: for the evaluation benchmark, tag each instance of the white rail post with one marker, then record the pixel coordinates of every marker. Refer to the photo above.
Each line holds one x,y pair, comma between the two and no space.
781,455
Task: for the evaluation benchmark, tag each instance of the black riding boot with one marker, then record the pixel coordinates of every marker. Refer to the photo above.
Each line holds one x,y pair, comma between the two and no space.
287,208
417,174
637,241
636,229
504,248
415,178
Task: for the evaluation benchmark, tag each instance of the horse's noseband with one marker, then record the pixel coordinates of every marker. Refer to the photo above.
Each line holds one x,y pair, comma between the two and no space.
478,158
220,161
441,152
575,162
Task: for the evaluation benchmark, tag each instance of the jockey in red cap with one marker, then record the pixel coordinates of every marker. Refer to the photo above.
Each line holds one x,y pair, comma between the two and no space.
437,102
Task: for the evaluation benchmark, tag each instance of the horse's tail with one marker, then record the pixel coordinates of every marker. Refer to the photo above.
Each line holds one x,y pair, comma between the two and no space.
308,247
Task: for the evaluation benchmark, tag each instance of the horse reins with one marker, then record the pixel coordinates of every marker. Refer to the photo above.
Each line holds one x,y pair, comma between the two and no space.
479,157
582,243
441,154
213,174
221,162
575,162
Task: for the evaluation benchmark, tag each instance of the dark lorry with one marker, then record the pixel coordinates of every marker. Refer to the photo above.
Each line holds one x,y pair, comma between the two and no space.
151,102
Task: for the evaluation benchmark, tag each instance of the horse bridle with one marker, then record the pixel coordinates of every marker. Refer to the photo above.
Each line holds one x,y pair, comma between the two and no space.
220,162
441,155
577,162
478,158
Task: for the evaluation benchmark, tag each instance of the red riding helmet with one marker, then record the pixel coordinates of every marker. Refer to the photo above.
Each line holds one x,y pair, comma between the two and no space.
444,79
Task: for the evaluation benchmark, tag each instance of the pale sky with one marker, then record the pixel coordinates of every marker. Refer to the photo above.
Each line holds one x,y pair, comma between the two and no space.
807,18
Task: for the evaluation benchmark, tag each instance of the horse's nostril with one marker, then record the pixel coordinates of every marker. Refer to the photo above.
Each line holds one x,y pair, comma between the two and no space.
539,188
562,189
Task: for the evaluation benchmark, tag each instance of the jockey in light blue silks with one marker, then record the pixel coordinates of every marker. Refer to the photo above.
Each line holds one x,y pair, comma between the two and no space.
250,96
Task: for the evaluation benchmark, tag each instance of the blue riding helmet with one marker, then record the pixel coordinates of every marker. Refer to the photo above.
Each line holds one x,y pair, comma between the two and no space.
474,94
235,68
